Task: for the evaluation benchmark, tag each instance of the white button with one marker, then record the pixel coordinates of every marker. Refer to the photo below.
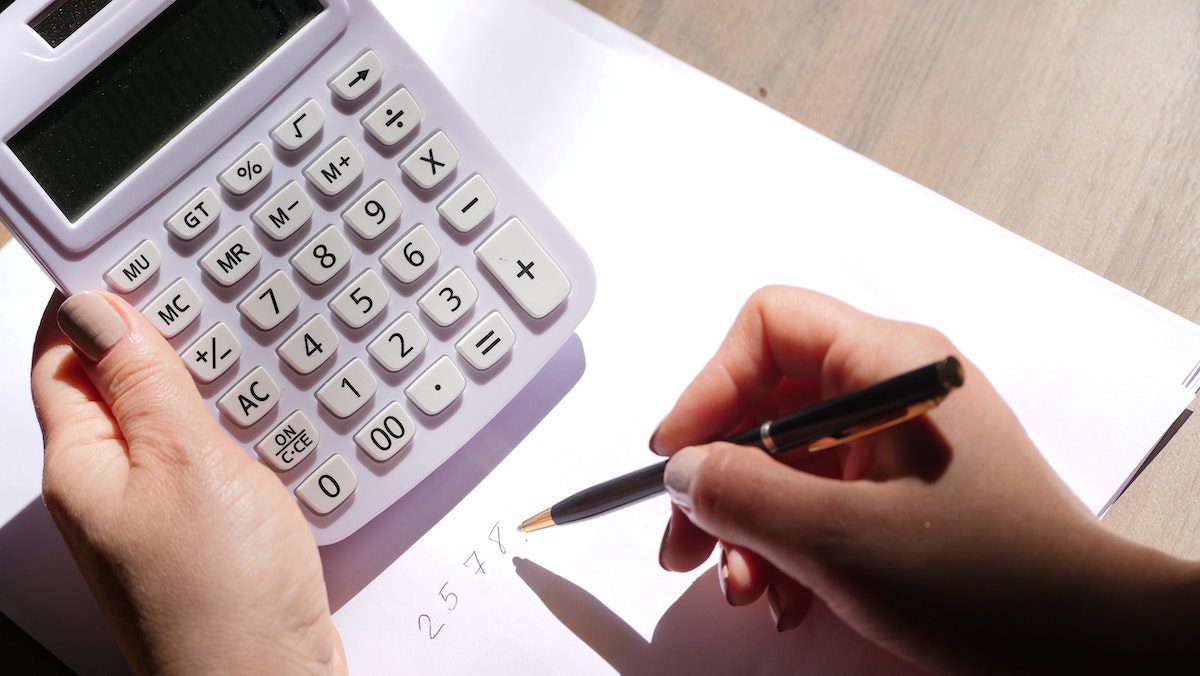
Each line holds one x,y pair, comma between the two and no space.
472,202
174,309
232,258
251,169
488,342
290,442
452,297
213,354
386,434
437,387
136,268
377,210
328,487
412,256
527,272
272,302
399,344
432,162
285,213
300,127
358,78
336,168
349,389
362,300
394,119
251,399
323,256
194,218
310,346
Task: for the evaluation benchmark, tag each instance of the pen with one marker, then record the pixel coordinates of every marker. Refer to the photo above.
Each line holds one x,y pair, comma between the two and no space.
825,425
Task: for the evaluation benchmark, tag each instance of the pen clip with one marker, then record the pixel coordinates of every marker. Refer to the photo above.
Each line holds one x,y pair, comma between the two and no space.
861,430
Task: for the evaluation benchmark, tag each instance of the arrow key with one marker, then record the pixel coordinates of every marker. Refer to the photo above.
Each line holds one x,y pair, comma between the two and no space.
358,78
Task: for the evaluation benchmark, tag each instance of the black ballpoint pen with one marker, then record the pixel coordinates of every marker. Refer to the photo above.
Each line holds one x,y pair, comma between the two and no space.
825,425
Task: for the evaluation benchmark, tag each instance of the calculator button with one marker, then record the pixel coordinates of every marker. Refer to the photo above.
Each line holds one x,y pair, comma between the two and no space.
472,202
174,309
328,487
376,211
285,212
194,218
300,127
349,389
394,119
400,343
251,399
432,162
290,442
487,343
233,258
358,78
336,168
527,272
387,433
212,355
250,170
412,256
452,297
136,268
362,300
437,387
310,346
272,302
323,256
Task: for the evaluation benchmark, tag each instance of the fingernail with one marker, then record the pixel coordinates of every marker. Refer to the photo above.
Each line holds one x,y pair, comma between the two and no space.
773,604
681,469
91,324
662,548
654,438
723,574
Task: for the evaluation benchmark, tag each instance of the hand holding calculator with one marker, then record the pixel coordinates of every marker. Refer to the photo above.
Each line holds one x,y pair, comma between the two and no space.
354,276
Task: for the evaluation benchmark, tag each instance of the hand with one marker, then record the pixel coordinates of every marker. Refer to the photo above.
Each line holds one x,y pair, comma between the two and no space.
200,559
947,540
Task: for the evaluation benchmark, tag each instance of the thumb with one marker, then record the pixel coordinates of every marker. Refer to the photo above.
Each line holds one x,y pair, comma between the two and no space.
743,496
135,371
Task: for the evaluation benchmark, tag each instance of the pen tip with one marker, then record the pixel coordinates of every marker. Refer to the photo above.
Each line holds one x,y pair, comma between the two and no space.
537,522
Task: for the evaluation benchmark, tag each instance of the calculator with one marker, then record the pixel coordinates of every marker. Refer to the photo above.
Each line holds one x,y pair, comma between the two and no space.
356,278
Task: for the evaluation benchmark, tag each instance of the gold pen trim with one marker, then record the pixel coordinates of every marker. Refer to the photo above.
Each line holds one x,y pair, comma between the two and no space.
537,522
870,428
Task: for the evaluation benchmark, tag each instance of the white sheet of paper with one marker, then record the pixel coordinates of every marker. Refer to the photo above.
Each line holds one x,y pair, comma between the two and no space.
688,196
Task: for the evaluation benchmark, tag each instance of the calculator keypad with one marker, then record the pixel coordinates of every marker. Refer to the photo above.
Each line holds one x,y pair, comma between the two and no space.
432,162
249,171
368,322
336,168
300,127
285,212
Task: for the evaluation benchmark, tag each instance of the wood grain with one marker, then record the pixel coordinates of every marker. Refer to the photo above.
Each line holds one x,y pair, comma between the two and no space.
1074,124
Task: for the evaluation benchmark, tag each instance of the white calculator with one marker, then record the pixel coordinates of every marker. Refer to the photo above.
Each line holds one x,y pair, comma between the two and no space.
354,275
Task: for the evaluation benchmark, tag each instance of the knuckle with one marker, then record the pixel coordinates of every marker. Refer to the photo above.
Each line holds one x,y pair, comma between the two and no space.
713,483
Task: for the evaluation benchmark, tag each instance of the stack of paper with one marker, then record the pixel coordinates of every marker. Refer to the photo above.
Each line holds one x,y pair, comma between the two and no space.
688,196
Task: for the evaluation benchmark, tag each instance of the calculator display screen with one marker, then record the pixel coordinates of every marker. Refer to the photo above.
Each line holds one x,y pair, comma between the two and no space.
122,112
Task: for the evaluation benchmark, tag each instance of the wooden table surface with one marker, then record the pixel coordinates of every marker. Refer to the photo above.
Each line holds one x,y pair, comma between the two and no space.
1074,124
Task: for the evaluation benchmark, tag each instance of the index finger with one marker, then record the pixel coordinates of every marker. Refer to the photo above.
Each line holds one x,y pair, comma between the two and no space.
780,332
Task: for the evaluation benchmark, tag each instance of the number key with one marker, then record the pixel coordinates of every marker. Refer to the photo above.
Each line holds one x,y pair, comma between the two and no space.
310,346
328,486
413,256
323,256
387,433
400,343
349,389
377,210
452,297
362,300
272,302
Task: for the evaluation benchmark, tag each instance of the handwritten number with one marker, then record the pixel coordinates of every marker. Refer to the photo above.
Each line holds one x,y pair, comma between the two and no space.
446,597
432,634
494,536
478,564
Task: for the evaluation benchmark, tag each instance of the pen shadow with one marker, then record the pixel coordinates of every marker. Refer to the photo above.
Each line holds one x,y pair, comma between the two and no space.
350,565
702,634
